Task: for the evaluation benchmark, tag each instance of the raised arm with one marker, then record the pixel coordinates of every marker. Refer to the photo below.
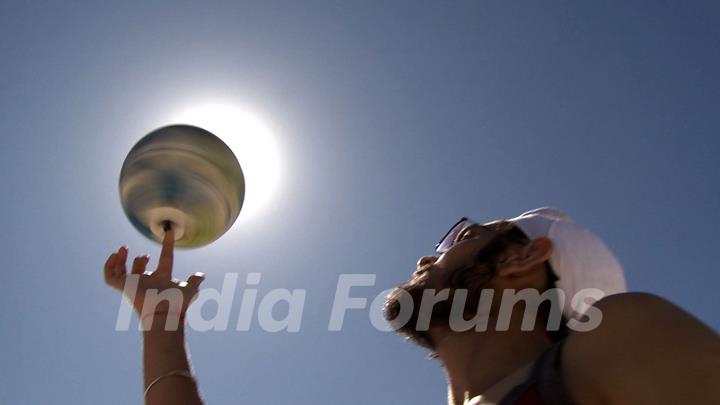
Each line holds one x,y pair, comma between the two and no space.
161,303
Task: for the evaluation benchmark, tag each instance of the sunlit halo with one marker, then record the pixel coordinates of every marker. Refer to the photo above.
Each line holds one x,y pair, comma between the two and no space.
253,145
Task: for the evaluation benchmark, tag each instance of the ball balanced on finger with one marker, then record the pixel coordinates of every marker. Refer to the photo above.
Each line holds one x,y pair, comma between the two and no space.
183,177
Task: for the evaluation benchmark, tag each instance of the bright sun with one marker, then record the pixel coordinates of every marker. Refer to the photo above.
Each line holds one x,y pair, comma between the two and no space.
253,145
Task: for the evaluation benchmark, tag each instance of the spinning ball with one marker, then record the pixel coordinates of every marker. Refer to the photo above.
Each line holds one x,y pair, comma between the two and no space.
183,177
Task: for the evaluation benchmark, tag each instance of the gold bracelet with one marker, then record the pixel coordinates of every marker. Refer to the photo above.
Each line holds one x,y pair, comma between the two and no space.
180,373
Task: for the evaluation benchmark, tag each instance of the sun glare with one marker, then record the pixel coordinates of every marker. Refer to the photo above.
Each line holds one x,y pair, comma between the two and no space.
253,145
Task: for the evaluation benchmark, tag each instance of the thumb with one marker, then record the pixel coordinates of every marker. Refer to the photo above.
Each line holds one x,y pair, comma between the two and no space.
193,285
195,280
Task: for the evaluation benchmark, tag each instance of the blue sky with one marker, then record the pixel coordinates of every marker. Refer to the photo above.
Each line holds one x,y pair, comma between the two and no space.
393,121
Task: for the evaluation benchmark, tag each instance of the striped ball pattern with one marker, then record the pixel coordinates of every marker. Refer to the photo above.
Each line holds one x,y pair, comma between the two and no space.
185,177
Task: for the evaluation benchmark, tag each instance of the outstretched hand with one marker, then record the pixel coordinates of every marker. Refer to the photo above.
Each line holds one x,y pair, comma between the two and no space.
160,280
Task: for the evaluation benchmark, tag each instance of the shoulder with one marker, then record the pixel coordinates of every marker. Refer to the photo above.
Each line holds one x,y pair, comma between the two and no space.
644,349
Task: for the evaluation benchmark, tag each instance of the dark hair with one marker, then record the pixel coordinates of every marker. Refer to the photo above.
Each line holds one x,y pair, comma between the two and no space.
545,308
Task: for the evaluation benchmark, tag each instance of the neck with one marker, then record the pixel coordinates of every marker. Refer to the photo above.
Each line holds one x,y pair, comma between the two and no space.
475,361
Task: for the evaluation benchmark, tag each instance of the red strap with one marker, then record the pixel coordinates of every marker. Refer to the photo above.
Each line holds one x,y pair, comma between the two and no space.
530,397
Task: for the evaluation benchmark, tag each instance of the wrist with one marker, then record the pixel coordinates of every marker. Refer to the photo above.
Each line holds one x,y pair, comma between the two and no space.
162,321
163,340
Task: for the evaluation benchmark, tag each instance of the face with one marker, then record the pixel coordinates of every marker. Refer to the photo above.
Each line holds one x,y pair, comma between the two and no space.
442,271
468,264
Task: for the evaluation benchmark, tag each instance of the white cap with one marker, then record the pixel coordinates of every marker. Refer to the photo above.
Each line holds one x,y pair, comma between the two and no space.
580,259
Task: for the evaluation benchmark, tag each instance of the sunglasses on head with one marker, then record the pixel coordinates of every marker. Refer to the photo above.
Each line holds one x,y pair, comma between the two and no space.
512,233
452,235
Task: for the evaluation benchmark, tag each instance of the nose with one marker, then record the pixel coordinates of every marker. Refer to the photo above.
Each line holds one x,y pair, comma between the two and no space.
426,260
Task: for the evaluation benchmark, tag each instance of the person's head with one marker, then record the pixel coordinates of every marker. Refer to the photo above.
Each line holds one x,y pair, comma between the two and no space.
539,250
496,256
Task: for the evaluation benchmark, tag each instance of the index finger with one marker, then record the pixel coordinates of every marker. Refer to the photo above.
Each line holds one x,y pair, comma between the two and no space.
165,262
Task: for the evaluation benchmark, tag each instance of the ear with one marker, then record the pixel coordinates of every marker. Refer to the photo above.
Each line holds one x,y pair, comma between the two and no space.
533,254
